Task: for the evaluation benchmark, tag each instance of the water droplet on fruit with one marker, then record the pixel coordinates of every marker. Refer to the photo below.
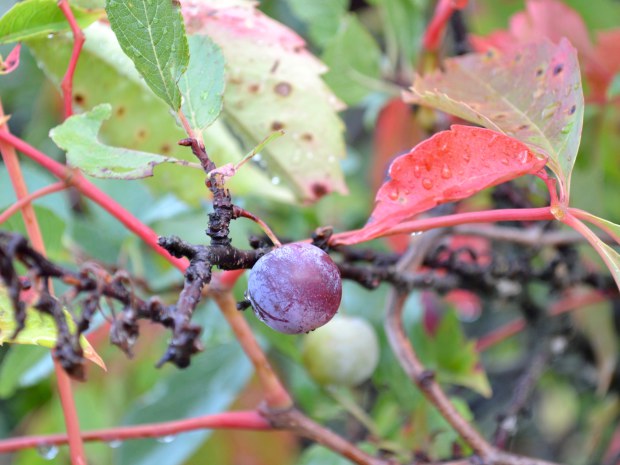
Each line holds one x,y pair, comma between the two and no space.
47,451
275,180
115,443
416,171
446,173
393,195
427,183
167,439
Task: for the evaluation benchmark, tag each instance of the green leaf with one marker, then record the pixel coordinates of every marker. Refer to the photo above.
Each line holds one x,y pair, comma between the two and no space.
452,355
533,94
610,228
404,22
273,83
322,17
202,85
209,386
597,323
78,136
37,18
40,328
607,253
141,120
152,34
354,60
613,90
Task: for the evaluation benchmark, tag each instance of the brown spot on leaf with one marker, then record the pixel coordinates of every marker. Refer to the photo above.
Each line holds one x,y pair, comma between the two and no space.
79,99
558,69
306,136
120,111
524,126
277,125
254,88
539,72
572,110
141,134
165,149
283,88
319,190
500,116
275,66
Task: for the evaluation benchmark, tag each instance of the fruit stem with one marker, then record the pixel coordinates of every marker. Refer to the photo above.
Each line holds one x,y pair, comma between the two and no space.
239,212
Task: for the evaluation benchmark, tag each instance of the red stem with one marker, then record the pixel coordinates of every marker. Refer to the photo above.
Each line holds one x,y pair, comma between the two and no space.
72,423
247,420
568,304
78,41
435,30
425,224
58,186
595,220
76,179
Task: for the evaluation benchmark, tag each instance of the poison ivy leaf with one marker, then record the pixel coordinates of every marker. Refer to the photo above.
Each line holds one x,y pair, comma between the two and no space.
40,328
533,94
273,83
354,60
202,85
141,120
78,136
36,18
449,166
322,17
153,36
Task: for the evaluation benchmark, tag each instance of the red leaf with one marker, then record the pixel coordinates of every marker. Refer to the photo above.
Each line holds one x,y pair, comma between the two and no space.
600,62
539,21
12,60
451,165
604,64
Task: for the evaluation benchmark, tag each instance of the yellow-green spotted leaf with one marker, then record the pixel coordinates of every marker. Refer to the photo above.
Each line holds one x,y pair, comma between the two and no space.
40,329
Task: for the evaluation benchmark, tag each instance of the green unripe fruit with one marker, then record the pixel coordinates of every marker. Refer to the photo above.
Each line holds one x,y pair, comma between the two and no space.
344,352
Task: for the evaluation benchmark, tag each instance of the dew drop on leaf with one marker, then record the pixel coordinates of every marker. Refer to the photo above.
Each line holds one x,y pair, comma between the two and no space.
47,451
427,183
115,443
446,173
166,439
393,195
275,180
416,171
